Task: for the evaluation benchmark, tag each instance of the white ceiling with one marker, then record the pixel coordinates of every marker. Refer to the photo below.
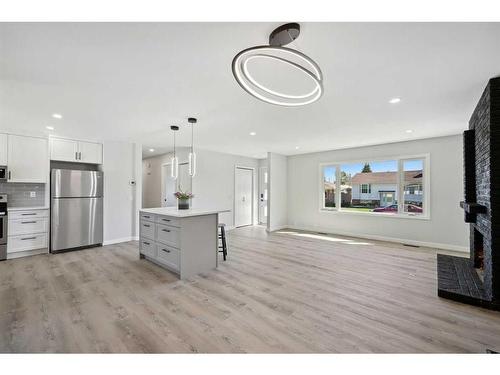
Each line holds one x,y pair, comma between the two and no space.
131,81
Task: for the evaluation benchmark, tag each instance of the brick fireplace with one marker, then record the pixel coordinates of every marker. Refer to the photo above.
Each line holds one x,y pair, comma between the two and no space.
477,280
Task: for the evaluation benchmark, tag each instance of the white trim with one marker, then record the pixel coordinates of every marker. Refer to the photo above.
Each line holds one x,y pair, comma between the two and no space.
399,159
277,227
120,240
236,166
403,241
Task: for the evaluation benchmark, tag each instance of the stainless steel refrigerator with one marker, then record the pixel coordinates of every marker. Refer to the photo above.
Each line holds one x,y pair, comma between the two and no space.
76,209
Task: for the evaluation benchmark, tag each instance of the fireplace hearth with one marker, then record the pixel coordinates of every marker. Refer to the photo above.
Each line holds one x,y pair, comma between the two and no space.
476,280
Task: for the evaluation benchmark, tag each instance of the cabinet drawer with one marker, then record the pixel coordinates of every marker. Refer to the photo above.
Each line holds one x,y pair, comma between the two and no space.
26,242
147,217
27,226
148,248
147,229
168,220
28,214
167,235
169,256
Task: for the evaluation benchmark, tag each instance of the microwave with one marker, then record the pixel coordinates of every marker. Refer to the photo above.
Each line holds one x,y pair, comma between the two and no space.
3,173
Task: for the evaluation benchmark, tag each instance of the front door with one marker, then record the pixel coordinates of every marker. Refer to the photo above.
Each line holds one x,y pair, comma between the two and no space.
387,198
243,197
263,186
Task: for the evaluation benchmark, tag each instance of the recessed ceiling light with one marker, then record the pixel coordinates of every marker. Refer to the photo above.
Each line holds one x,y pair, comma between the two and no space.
297,147
49,127
395,100
151,150
409,131
57,115
253,133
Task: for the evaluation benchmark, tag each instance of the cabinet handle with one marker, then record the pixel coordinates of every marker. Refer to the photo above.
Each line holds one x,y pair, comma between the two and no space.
166,250
28,238
146,225
166,220
165,230
146,243
80,155
146,217
31,214
76,155
10,177
28,222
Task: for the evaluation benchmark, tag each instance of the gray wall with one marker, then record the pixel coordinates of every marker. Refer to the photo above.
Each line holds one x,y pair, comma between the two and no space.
445,228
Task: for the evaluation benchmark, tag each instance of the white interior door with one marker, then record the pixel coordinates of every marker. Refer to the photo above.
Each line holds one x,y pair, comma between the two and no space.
263,192
168,187
243,197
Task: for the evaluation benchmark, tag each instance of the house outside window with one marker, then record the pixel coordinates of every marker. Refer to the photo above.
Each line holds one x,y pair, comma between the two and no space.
396,186
366,188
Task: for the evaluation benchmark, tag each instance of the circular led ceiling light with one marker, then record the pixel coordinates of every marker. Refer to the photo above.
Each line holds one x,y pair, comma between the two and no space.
289,58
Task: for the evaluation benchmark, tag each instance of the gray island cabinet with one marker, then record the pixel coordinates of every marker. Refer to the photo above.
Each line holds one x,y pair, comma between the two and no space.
183,241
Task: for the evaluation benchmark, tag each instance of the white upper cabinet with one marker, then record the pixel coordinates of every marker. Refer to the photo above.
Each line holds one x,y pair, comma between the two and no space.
75,151
3,149
27,159
63,149
90,152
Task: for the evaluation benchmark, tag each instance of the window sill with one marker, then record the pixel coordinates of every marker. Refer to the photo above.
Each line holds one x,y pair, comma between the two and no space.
375,214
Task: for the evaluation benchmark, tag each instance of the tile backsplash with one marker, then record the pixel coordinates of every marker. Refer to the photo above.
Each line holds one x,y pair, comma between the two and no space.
19,194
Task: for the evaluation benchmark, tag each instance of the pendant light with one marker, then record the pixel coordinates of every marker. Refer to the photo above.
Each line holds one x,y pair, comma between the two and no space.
292,58
174,162
192,154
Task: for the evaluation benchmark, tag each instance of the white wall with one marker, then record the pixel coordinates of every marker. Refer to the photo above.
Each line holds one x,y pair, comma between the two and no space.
446,227
213,185
277,203
119,166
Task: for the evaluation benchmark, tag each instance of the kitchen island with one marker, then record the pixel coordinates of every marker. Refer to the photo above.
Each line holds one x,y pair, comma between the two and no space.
183,241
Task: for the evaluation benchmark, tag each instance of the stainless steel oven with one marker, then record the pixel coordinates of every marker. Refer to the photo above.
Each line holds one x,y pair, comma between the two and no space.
3,173
3,226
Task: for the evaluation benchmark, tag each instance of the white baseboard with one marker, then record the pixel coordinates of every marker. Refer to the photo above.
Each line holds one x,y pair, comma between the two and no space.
435,245
277,227
120,240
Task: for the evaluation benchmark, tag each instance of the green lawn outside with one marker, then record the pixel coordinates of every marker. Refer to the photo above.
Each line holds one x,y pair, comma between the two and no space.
358,209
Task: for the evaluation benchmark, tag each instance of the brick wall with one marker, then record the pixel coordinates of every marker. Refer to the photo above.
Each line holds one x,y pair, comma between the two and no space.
486,126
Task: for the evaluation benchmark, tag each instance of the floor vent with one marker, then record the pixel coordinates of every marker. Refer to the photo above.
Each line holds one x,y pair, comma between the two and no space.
408,245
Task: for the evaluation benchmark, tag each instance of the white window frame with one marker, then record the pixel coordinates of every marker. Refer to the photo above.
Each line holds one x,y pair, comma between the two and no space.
426,187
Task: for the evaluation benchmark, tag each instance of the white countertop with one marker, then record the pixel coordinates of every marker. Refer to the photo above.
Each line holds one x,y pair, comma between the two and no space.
174,211
27,208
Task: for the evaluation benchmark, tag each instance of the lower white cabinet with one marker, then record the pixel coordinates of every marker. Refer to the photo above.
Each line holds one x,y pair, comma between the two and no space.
186,245
27,232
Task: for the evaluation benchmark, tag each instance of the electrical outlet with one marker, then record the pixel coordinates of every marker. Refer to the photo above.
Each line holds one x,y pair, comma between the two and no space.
32,194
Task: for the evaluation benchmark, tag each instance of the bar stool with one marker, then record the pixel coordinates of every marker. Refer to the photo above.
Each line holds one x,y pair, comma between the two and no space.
222,237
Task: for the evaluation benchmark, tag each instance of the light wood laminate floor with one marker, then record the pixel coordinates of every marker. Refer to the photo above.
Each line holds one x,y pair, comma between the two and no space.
280,292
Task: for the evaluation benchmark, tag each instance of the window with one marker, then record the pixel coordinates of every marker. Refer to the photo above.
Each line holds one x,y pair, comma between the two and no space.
329,185
388,187
373,187
413,174
366,188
